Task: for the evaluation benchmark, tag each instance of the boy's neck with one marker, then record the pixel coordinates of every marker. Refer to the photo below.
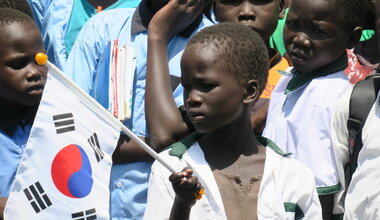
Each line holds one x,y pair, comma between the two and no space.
230,141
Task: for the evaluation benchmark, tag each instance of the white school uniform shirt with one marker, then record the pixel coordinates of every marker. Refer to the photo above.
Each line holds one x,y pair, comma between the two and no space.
287,190
299,123
363,195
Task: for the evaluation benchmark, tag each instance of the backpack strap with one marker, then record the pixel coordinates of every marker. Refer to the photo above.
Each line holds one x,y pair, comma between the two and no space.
362,98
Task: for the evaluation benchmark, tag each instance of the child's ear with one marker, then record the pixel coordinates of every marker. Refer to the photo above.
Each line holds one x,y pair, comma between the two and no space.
355,37
251,91
282,8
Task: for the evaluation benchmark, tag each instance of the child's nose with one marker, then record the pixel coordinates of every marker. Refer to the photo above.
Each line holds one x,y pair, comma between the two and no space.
33,73
193,98
246,11
302,39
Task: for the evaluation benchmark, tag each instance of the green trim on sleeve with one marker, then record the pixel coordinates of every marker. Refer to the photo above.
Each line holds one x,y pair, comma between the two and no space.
328,189
179,148
293,207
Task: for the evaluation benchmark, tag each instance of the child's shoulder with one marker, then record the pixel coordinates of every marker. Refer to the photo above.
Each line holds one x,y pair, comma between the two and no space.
179,148
175,153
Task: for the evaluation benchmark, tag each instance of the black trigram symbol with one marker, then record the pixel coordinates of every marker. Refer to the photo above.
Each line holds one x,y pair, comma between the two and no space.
94,142
84,215
64,123
37,197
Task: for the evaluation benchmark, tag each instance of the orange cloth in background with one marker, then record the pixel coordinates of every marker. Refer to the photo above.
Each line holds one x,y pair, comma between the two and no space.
273,77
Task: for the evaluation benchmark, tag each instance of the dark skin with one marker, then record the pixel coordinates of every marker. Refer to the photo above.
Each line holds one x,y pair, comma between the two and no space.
161,110
229,144
369,49
21,79
314,38
262,17
169,15
377,23
3,201
164,25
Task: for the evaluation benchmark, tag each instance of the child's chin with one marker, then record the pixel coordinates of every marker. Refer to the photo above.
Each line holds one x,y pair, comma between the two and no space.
34,100
302,68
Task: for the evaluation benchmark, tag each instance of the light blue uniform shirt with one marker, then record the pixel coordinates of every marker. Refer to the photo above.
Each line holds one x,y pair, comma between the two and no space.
88,65
11,150
52,18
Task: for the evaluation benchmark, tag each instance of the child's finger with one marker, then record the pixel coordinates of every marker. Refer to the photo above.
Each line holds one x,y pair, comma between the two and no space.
189,183
176,177
185,173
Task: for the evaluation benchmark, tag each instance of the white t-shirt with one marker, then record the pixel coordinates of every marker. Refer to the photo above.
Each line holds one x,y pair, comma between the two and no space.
287,189
299,123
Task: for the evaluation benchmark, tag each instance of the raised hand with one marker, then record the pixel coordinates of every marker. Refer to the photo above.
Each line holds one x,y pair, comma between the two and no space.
174,17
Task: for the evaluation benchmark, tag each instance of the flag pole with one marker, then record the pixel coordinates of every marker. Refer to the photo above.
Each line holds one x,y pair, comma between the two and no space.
95,106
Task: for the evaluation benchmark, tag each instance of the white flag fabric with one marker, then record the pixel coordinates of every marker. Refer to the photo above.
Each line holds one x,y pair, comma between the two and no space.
65,169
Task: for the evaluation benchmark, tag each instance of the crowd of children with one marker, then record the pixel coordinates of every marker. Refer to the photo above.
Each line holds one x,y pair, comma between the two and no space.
208,82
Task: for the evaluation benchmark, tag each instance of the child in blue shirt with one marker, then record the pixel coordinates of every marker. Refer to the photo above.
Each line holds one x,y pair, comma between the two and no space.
61,20
22,82
316,36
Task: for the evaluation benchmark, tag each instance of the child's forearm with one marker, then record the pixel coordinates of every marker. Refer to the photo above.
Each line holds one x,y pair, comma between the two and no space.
128,151
164,120
181,209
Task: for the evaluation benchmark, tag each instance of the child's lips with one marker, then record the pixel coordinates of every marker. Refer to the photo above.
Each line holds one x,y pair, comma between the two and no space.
195,116
36,89
298,57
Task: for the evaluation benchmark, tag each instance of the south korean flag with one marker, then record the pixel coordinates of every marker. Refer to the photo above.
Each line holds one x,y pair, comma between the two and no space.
65,169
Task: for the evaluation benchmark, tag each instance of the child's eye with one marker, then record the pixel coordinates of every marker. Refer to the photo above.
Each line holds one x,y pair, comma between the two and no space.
320,32
186,85
291,23
18,63
207,86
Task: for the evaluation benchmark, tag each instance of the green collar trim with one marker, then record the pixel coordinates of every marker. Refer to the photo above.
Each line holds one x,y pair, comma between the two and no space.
328,189
269,143
178,149
294,207
300,79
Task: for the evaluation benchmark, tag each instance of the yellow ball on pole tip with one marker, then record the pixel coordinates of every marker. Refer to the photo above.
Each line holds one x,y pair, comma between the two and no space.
41,58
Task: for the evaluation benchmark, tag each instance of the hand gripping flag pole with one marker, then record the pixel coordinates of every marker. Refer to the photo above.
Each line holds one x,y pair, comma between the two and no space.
42,59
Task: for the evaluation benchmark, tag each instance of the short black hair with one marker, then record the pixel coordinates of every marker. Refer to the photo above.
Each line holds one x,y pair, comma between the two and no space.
21,5
239,48
351,12
10,16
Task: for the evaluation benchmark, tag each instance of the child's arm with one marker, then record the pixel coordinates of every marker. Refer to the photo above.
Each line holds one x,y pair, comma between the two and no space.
3,201
128,151
164,120
185,186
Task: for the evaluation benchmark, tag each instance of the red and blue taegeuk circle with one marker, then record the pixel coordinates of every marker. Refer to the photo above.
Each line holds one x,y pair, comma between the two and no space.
71,172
